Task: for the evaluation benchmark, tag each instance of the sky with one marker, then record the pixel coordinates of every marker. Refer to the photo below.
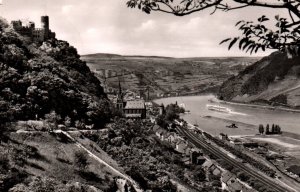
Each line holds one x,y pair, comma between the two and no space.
108,26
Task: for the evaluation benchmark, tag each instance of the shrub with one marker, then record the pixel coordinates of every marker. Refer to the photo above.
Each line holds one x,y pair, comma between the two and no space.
81,160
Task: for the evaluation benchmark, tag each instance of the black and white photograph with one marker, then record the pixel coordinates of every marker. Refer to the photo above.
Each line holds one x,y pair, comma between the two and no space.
149,95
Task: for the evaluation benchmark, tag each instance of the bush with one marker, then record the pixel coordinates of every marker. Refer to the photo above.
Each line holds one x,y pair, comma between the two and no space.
52,119
81,160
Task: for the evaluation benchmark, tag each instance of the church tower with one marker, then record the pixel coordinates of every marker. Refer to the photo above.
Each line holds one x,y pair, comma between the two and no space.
120,102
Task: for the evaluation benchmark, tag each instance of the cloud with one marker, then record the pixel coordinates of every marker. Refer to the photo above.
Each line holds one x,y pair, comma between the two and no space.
66,9
109,26
146,26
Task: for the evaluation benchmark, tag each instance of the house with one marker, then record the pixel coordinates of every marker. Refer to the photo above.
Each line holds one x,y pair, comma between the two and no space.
231,183
216,171
194,154
200,160
207,164
170,137
210,166
181,146
222,136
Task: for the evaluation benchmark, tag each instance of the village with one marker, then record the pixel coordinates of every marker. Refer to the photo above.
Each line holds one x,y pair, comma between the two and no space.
136,108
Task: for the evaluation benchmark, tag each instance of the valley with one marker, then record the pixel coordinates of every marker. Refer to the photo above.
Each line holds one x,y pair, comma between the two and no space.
165,76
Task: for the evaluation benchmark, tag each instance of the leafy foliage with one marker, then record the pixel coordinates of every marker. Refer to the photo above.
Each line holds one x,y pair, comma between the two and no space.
172,112
145,158
81,160
283,36
39,79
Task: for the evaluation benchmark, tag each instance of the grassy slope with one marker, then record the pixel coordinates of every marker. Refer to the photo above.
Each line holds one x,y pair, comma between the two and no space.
55,159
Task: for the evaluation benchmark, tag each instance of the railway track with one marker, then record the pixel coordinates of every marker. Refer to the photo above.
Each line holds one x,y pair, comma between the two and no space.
194,139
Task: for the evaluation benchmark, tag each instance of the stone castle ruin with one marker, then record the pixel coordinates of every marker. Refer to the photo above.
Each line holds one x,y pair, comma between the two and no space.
35,34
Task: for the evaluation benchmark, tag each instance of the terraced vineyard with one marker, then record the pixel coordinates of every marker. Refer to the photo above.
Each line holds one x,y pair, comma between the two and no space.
165,76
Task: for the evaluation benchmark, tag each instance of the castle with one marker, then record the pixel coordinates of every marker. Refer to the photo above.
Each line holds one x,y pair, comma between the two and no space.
35,34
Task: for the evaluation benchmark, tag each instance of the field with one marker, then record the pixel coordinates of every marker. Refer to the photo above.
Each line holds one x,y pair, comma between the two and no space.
164,76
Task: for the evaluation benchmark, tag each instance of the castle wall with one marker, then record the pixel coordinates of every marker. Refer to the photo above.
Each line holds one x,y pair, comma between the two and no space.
36,34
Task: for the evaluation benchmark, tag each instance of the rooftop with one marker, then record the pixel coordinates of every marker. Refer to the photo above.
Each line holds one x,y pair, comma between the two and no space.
226,176
140,104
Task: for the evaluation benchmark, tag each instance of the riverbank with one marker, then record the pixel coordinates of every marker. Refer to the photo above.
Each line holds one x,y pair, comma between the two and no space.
260,106
255,115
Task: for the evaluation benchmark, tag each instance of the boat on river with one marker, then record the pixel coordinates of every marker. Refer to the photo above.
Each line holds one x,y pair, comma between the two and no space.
218,108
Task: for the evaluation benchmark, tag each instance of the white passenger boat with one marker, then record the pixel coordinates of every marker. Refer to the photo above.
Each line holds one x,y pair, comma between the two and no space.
218,108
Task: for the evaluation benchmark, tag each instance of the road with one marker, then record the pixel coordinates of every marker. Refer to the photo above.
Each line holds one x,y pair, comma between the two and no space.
267,181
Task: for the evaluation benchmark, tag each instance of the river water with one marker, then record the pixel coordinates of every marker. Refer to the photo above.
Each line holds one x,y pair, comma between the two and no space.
246,118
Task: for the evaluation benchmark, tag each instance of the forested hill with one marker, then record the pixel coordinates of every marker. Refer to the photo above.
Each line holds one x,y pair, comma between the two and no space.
275,80
36,79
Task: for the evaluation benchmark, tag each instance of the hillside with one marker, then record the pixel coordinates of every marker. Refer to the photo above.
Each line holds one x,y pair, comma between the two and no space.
275,80
36,79
43,85
164,76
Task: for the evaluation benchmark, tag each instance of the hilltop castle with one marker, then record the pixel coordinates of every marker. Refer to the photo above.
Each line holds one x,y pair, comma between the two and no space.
35,34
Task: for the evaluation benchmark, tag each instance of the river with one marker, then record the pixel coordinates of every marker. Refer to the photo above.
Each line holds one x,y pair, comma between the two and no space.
246,118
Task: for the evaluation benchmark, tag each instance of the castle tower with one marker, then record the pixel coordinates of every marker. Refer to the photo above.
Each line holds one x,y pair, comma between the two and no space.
45,25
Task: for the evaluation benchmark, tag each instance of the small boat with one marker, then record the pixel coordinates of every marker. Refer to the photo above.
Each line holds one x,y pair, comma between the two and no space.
233,125
187,112
218,108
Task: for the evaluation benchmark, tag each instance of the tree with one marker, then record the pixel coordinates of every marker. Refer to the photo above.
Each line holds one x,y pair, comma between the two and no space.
81,160
261,129
68,121
267,129
279,130
284,35
52,119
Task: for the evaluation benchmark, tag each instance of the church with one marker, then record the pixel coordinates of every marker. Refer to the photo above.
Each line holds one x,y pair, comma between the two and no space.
135,109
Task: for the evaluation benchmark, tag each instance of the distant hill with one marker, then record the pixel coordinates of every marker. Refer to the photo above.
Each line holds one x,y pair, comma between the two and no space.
274,79
108,56
101,55
165,76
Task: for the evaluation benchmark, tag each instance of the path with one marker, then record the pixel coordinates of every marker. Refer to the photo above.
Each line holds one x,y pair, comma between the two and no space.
99,160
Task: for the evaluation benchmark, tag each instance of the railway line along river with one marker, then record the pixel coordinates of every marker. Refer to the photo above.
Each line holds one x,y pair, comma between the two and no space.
247,119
